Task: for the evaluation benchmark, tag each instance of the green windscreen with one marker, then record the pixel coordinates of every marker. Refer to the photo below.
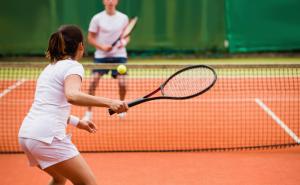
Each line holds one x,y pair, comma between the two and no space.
269,25
25,26
196,25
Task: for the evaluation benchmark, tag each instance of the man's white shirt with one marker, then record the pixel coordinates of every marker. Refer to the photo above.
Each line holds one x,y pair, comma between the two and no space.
108,28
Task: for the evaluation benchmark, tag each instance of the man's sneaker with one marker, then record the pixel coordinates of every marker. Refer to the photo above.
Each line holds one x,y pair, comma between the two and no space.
88,116
122,115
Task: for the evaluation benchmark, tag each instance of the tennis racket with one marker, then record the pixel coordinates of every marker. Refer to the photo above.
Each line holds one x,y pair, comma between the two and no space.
186,83
127,30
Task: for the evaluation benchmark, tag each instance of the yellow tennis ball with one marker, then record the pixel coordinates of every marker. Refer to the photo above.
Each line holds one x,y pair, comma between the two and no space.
122,69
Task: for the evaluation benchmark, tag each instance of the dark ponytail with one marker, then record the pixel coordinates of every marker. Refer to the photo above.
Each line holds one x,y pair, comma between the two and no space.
56,47
64,43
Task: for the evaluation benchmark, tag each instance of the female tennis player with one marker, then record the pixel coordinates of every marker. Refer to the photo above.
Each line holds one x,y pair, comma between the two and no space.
42,135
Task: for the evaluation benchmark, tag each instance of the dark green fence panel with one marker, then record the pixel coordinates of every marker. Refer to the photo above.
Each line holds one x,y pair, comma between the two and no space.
269,25
196,25
24,26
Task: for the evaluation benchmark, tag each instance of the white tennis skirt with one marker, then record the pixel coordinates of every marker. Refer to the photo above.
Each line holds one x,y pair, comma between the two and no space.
46,155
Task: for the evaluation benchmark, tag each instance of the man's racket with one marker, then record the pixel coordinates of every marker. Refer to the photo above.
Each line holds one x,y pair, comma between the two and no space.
186,83
127,30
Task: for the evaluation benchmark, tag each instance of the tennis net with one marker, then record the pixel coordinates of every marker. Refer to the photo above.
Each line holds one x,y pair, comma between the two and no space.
250,106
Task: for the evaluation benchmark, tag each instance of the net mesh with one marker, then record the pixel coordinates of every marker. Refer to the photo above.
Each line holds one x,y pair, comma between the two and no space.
250,106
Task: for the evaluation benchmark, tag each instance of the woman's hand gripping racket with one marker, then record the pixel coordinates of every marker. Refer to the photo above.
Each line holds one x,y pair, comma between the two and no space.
186,83
127,30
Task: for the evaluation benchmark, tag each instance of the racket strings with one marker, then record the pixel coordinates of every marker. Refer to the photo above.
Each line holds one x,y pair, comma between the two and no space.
189,82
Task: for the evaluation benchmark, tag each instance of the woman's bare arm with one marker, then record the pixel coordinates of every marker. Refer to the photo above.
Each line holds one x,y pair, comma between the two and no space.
76,97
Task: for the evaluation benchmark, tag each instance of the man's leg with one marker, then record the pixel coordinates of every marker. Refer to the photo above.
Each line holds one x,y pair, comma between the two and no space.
92,88
122,86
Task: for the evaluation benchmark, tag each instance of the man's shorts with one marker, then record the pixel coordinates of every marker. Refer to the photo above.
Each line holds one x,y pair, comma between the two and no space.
113,60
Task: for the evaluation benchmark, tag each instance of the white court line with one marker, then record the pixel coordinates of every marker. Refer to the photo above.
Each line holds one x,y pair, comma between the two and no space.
278,120
12,87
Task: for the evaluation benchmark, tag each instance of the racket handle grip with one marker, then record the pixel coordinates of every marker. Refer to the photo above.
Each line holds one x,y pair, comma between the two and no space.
114,43
130,104
111,112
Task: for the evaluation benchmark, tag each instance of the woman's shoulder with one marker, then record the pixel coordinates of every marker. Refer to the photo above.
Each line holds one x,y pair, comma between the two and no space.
68,63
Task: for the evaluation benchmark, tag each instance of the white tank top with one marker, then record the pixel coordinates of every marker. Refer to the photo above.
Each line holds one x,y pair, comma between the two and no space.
50,110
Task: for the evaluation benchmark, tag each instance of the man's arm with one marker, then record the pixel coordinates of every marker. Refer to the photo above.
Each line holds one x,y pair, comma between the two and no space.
92,41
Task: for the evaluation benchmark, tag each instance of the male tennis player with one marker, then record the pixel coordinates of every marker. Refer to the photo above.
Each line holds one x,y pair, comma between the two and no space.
105,27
